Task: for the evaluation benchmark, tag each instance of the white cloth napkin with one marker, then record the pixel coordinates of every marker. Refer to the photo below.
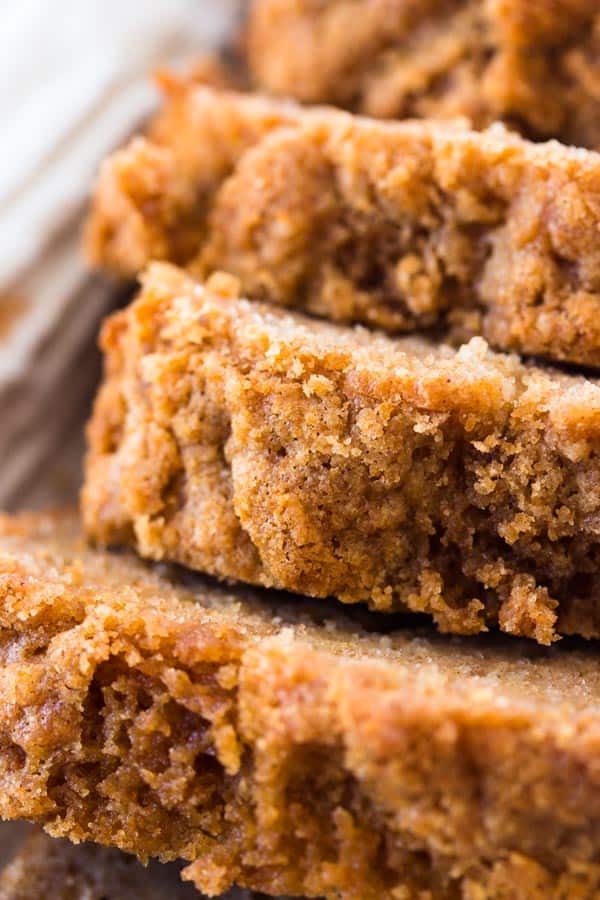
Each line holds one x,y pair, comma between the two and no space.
73,84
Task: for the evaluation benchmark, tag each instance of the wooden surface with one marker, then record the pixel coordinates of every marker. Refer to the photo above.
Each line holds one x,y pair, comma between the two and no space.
11,835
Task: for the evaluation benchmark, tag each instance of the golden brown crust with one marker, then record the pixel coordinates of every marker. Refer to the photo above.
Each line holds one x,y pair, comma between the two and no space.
406,226
152,196
290,756
47,869
532,63
278,450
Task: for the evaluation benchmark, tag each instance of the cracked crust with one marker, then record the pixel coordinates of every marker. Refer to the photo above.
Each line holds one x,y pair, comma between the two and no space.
270,448
532,63
404,226
269,748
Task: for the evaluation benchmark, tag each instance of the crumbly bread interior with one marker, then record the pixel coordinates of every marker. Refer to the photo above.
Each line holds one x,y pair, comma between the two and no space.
283,451
284,747
405,226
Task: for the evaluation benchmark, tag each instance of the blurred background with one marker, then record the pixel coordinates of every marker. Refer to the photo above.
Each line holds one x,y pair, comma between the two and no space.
74,83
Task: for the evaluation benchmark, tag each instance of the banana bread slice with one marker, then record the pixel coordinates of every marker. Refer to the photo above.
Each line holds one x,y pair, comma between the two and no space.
259,445
406,226
535,65
281,746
